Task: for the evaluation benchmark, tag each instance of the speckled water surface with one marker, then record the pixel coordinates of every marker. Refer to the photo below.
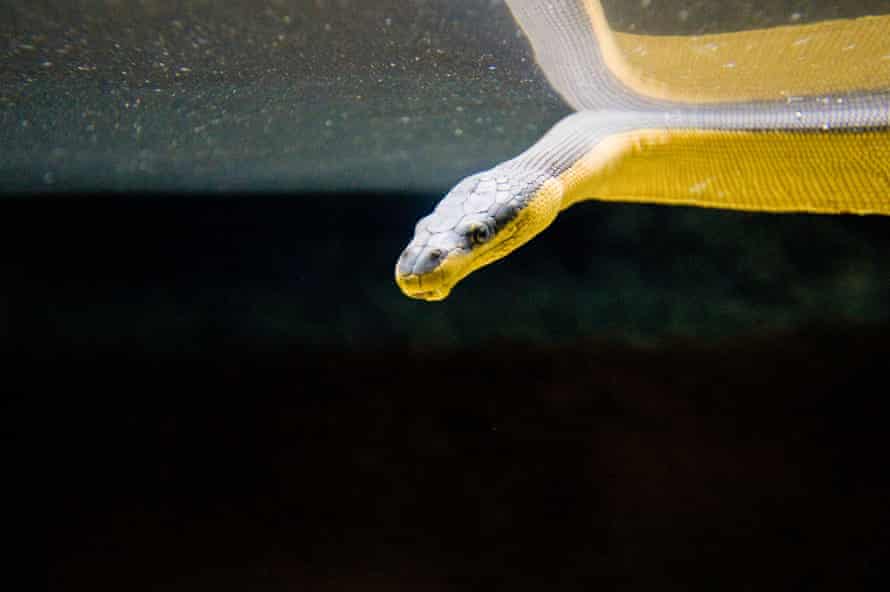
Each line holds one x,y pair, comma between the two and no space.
292,95
256,96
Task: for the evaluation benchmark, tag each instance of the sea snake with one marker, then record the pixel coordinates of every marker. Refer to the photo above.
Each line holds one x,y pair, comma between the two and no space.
792,118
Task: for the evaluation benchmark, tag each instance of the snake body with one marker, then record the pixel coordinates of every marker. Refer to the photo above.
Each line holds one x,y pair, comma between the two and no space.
762,137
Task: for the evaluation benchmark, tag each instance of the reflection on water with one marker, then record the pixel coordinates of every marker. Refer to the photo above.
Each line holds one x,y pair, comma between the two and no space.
788,61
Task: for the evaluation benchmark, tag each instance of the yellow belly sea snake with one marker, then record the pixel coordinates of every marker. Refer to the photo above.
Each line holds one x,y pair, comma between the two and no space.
792,118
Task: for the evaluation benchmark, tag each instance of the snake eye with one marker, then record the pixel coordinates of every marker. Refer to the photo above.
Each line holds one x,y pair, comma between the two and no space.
480,233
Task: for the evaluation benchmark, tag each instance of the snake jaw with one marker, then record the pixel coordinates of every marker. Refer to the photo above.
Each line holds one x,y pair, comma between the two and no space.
429,296
412,285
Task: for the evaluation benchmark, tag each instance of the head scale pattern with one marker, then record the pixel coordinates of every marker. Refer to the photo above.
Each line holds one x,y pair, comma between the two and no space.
476,223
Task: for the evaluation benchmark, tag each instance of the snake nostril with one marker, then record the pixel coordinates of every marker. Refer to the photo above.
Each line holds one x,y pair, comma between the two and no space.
428,261
407,260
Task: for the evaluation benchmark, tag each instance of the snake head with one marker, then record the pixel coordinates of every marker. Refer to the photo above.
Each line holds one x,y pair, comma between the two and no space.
485,217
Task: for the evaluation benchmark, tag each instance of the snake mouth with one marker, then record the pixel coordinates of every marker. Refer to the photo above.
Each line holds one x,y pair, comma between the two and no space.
429,296
427,287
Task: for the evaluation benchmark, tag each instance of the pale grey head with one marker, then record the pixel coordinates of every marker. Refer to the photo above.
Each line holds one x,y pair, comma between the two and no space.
476,223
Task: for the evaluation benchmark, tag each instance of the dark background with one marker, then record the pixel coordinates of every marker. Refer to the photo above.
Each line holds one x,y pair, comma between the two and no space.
212,382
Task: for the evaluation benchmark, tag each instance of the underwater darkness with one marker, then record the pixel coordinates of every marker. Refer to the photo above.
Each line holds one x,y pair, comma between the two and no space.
231,393
211,381
180,274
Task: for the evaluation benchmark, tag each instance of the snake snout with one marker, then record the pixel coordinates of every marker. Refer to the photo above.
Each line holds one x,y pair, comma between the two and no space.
420,275
419,260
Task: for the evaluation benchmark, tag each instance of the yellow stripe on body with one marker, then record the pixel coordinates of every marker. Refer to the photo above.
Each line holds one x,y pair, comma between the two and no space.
776,171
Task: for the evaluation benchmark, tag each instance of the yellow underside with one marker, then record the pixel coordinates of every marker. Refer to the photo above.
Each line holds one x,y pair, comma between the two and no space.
762,64
778,171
